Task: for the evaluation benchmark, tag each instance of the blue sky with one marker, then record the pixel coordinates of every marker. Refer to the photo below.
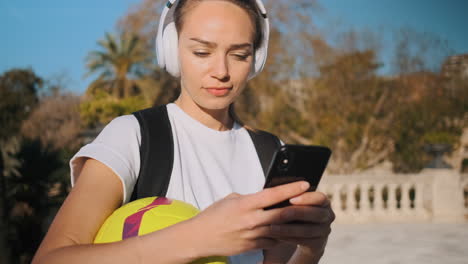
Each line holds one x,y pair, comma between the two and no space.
447,18
53,36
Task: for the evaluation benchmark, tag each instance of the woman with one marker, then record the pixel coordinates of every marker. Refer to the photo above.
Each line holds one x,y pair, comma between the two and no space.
217,44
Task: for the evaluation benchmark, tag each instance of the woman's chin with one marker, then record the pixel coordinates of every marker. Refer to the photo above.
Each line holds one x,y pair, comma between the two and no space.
218,103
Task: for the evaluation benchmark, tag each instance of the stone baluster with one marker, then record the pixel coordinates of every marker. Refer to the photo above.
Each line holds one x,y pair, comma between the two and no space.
405,197
336,200
378,199
418,197
351,198
365,204
392,202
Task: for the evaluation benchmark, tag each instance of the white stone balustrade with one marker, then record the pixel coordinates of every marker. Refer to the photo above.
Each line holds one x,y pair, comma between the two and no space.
434,195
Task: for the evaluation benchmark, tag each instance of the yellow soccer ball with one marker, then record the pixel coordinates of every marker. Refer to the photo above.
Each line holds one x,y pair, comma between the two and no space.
147,215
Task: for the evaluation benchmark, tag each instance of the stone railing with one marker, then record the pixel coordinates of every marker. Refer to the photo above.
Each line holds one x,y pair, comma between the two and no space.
434,195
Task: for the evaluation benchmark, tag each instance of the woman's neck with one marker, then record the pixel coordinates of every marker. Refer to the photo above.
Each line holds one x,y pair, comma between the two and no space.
218,119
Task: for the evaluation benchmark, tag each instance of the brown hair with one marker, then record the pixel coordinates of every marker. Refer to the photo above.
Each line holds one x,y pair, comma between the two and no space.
250,6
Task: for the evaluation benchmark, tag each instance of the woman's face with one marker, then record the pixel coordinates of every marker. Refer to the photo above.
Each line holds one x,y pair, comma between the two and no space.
216,53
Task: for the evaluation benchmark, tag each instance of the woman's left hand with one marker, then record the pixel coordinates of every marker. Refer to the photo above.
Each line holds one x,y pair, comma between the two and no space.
306,223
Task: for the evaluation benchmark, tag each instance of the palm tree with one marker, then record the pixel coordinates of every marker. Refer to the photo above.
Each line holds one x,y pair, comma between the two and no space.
122,65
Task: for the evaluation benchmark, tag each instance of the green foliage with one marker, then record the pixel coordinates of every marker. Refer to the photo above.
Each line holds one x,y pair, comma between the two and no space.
28,200
18,93
29,169
103,108
446,137
127,80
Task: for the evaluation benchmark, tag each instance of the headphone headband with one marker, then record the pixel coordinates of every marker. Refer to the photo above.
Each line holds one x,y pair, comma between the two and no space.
167,41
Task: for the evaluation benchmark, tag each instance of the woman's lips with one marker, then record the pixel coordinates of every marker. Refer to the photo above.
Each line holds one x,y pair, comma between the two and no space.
218,91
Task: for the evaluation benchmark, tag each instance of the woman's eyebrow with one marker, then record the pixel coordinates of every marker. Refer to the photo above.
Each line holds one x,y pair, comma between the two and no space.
214,45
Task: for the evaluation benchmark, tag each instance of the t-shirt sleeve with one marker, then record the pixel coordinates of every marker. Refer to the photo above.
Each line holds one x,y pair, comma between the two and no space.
118,147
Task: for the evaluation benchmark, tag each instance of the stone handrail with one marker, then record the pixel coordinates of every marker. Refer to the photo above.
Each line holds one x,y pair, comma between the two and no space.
434,195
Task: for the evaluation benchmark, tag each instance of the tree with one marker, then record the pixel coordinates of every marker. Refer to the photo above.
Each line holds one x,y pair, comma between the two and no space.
18,90
29,198
431,110
103,108
434,111
121,64
40,125
349,108
18,93
55,122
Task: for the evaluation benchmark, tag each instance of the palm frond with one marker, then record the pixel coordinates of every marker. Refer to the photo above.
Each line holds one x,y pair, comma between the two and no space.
119,61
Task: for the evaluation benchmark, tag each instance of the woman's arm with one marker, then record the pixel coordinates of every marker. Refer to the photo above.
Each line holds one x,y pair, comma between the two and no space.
232,225
96,194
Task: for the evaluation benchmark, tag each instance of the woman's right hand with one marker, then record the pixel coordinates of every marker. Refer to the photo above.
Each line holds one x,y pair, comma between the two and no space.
238,223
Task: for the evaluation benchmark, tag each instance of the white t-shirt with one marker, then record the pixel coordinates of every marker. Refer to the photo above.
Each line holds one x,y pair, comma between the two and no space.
208,164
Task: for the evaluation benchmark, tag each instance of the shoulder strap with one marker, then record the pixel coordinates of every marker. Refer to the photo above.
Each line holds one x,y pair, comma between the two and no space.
266,144
156,153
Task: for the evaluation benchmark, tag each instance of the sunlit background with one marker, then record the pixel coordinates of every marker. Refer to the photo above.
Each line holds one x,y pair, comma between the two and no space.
384,84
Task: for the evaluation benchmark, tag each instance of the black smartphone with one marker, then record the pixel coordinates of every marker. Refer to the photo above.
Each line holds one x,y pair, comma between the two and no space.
293,163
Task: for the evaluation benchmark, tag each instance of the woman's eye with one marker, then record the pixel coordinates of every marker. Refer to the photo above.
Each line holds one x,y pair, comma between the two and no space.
242,57
201,54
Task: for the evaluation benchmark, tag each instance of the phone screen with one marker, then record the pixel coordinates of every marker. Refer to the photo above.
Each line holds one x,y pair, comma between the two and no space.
293,163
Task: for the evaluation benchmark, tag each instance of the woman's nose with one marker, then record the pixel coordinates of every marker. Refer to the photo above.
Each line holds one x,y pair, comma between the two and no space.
220,68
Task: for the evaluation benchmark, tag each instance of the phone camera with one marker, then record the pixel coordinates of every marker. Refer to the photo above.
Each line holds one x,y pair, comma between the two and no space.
284,162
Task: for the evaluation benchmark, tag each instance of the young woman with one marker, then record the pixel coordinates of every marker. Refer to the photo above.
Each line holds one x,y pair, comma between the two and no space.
215,168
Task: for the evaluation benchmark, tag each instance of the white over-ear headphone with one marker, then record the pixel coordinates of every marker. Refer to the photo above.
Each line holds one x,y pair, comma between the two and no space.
167,43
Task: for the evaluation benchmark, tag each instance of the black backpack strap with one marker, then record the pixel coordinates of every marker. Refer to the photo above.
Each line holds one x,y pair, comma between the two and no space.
266,144
156,153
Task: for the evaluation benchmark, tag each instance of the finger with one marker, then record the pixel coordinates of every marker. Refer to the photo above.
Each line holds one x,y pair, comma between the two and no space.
298,213
260,217
311,198
309,231
279,231
313,244
274,195
263,243
261,231
312,214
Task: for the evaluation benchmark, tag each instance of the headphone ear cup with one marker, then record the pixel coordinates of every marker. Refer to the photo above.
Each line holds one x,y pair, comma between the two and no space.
159,51
262,51
258,63
170,49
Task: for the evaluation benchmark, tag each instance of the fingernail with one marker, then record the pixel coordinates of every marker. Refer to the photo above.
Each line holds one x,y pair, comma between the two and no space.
305,186
295,199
